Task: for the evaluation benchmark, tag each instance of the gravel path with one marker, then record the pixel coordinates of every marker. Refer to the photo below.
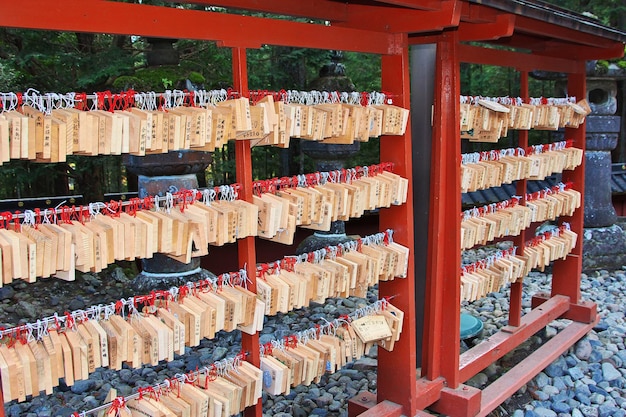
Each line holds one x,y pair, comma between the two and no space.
588,380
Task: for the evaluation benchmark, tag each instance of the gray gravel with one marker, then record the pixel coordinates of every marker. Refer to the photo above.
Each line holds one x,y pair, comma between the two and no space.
588,379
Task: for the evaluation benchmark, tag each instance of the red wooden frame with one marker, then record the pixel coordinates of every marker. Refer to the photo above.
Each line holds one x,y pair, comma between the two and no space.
387,27
456,399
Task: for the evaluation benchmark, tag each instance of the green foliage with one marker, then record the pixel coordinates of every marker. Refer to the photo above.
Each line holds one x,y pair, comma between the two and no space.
167,83
369,154
58,61
196,77
541,88
8,77
205,64
155,78
126,82
281,67
607,12
488,81
222,169
22,179
364,70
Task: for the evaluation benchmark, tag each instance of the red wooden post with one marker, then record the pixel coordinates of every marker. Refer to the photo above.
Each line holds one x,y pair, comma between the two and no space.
515,303
245,247
566,273
397,370
442,311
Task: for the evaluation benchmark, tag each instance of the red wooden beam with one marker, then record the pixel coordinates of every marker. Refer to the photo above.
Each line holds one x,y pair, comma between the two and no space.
477,13
566,273
503,26
518,60
400,20
523,43
414,4
561,49
383,409
499,344
97,16
515,378
313,9
550,30
583,53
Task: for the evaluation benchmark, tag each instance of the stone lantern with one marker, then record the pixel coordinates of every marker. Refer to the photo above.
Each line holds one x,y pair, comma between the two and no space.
158,174
604,242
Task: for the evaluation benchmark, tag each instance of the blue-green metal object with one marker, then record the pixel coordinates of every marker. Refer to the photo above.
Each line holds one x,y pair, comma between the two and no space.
470,326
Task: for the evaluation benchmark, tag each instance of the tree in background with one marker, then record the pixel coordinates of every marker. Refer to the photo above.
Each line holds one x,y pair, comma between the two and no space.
59,62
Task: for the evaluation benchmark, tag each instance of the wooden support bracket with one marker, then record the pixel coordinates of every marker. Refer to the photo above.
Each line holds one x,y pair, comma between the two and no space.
428,392
501,27
365,403
512,329
402,20
582,312
463,401
384,409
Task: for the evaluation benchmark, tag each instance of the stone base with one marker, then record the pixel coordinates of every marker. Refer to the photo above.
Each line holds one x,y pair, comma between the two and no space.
604,248
146,282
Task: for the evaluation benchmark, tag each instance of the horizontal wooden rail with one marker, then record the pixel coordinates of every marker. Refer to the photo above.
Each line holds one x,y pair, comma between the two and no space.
498,345
509,383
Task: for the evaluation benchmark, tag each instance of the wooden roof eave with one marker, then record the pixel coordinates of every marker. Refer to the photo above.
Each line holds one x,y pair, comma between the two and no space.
552,15
538,44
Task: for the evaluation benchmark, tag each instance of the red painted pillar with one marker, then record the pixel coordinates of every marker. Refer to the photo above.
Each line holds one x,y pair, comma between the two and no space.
245,247
515,304
566,273
397,373
442,312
